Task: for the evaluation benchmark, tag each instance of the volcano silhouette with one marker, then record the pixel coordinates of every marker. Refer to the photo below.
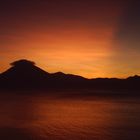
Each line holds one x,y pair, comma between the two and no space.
23,69
24,74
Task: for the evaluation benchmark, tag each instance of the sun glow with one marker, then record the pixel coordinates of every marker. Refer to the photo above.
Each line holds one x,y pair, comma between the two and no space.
81,41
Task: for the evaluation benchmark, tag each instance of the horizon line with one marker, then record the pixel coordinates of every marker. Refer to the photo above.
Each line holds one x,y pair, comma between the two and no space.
72,73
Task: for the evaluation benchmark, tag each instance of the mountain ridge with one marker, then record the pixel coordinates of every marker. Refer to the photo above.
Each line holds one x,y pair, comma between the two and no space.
24,74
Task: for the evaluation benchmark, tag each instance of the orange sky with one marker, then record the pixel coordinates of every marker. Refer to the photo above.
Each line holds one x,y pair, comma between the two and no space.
78,37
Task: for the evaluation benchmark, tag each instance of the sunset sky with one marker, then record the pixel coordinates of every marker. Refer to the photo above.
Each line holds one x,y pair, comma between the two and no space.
91,38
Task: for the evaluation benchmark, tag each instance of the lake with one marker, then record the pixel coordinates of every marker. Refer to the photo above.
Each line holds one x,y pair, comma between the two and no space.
56,117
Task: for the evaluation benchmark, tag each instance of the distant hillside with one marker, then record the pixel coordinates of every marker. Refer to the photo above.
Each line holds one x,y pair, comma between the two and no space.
24,74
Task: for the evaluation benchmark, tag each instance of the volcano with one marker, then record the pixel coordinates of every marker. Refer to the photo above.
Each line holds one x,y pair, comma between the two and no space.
25,74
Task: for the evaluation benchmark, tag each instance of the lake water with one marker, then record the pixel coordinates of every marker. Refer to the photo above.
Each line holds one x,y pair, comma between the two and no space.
28,117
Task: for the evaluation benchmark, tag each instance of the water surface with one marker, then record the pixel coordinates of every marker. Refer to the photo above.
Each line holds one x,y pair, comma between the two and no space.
28,117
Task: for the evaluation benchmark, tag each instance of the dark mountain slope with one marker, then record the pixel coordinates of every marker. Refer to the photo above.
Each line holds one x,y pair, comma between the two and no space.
25,75
22,74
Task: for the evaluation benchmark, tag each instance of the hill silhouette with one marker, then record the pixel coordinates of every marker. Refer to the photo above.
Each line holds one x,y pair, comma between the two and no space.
24,74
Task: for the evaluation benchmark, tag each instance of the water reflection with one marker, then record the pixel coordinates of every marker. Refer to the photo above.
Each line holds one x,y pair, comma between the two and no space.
41,118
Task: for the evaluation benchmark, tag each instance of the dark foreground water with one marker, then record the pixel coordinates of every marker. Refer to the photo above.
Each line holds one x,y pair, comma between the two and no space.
31,117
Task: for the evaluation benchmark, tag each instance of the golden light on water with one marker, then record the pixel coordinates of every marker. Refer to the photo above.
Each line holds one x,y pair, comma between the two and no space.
53,117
